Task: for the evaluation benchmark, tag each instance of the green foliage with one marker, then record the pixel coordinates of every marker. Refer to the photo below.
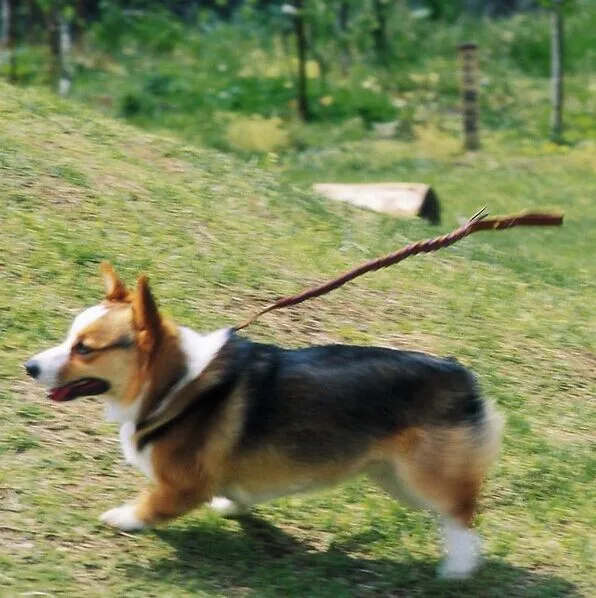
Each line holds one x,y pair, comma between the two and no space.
527,45
566,5
345,102
154,30
153,68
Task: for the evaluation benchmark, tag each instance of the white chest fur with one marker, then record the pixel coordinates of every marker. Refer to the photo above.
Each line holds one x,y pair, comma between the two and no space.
140,459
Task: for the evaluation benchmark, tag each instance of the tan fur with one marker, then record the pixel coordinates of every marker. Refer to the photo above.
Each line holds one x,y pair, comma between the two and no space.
188,475
398,445
160,372
107,362
163,502
269,473
146,318
114,287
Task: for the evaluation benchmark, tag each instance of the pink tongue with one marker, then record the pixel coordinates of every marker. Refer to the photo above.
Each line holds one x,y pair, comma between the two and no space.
59,394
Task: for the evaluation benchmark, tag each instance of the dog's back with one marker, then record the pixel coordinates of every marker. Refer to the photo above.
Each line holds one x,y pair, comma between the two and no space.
334,402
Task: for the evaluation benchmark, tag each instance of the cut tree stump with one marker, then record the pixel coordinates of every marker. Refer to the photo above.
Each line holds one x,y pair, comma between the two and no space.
404,200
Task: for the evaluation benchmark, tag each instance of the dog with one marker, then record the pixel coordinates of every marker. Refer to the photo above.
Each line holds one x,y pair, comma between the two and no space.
220,419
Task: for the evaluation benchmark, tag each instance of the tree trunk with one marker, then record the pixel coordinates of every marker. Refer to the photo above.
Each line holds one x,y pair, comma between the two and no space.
343,18
301,44
78,27
557,72
31,30
64,48
8,39
380,32
319,58
60,42
53,36
5,16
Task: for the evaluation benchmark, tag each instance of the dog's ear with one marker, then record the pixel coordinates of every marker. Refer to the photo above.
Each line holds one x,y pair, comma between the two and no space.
146,318
115,288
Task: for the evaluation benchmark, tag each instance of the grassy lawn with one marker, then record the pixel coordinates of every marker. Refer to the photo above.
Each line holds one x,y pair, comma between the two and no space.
220,238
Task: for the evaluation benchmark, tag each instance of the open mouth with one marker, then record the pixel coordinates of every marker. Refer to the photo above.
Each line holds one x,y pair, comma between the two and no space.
79,388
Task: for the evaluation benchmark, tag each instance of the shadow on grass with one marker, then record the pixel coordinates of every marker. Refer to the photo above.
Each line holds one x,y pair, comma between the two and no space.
262,560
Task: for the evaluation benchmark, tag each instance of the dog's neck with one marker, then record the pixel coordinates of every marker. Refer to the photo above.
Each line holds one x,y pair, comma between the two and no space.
198,351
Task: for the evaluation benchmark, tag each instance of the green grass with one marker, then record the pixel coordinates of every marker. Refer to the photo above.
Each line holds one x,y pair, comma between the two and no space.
220,238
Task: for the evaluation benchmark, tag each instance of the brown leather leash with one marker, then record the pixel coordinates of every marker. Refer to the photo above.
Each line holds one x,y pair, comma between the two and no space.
476,223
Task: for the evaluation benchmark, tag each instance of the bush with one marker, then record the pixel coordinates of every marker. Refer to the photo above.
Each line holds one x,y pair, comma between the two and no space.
257,134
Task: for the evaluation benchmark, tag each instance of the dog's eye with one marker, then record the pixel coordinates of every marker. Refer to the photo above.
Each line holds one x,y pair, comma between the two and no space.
82,349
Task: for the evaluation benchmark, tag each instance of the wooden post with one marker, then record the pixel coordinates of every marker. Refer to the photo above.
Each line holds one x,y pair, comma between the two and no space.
468,53
556,127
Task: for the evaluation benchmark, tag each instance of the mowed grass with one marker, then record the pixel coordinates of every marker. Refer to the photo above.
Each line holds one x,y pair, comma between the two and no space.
220,238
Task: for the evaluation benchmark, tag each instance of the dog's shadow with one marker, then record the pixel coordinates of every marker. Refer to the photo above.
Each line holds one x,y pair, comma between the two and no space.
262,560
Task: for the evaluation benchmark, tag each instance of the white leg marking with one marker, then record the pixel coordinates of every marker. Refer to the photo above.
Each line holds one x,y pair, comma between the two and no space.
123,518
226,507
463,552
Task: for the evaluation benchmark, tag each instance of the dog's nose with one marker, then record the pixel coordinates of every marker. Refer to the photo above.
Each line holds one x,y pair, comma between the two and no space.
32,368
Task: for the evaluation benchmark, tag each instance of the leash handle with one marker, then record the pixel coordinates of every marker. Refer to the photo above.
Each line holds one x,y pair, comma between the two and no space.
478,222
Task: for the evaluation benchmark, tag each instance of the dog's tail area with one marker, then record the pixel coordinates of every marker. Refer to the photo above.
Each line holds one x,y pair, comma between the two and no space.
486,436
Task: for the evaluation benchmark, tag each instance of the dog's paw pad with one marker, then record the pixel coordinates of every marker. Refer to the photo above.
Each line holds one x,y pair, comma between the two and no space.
226,507
123,518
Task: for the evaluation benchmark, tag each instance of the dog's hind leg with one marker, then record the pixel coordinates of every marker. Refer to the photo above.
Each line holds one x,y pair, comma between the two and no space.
461,544
442,469
386,476
453,499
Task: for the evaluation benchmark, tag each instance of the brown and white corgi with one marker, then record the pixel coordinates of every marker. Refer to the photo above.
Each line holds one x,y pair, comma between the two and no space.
217,418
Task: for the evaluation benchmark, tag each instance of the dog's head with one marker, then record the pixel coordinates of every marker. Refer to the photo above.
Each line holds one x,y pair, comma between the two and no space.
108,348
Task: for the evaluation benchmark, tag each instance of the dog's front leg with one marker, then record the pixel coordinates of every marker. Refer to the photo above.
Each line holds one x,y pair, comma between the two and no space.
153,506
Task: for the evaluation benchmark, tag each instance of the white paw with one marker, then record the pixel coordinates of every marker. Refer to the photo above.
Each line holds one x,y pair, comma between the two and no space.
226,507
463,553
454,568
123,518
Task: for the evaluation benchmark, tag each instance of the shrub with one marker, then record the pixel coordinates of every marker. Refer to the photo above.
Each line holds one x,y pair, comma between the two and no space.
257,134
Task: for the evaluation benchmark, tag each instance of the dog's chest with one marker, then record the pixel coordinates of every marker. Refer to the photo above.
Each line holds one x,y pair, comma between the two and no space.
140,459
